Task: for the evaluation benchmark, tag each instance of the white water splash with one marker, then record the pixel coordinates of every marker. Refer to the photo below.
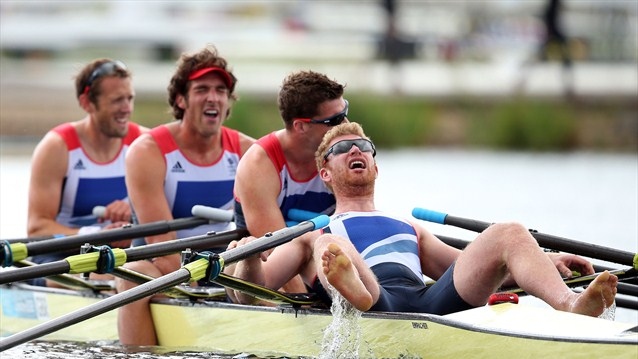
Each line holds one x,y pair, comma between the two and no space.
342,337
610,312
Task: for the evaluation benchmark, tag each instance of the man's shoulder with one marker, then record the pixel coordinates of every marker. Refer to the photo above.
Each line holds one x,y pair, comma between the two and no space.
255,157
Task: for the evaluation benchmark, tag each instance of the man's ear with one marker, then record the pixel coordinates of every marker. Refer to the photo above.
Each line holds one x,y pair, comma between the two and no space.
324,174
181,102
85,103
299,126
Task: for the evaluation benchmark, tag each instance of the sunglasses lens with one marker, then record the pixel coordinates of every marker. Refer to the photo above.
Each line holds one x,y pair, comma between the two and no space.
345,146
334,121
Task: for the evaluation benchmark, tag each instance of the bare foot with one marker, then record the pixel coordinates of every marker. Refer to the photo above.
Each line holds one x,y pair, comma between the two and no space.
599,295
343,276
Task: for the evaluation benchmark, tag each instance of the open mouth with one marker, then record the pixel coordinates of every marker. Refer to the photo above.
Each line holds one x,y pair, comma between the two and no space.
357,165
212,113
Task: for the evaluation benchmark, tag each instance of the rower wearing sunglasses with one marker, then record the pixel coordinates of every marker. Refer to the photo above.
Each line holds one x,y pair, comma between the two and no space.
278,174
79,165
377,261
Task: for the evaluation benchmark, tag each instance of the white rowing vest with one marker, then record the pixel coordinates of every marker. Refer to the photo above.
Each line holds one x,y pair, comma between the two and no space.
188,184
88,183
380,238
305,194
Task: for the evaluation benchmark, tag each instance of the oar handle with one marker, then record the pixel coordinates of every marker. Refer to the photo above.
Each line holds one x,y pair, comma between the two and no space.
296,215
214,214
544,240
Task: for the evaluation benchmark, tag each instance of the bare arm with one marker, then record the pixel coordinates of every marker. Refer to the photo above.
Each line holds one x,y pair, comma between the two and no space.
436,256
145,172
257,186
279,268
48,168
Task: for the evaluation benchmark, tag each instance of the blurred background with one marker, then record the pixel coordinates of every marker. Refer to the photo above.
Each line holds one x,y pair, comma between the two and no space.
538,75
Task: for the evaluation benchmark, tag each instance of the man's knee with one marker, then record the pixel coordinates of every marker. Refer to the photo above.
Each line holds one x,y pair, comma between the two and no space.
508,233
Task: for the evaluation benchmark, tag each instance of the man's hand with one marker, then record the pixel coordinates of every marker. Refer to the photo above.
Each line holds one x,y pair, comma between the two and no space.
117,211
263,255
566,263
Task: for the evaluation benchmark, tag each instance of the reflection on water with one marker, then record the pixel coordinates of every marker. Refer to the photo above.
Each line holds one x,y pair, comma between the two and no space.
77,350
587,197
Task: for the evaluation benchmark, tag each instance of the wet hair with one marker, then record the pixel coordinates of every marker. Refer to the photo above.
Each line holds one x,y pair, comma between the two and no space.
346,128
302,92
189,63
94,90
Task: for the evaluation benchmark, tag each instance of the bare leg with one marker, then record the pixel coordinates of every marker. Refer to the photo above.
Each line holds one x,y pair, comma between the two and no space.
134,321
344,277
508,249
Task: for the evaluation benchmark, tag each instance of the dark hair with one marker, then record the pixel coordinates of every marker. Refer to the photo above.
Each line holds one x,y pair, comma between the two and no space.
94,90
189,63
302,92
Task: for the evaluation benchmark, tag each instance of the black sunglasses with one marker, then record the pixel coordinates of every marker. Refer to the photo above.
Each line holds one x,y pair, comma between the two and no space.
344,146
329,121
107,68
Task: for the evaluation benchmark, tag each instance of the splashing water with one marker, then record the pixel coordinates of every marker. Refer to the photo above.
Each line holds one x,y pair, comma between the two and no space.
610,312
342,337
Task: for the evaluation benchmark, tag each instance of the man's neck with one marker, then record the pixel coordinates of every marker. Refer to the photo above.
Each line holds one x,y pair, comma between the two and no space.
356,204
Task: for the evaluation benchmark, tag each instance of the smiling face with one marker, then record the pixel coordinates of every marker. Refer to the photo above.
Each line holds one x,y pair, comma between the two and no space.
113,107
207,104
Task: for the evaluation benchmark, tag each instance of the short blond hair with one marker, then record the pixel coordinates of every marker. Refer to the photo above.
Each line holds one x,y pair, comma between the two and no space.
346,128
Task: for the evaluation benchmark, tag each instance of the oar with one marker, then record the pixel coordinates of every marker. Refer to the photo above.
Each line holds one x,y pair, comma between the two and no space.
98,211
461,244
13,252
258,291
544,240
111,258
193,271
583,281
299,215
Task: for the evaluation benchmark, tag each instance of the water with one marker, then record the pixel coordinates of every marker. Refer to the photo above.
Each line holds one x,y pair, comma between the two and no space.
588,197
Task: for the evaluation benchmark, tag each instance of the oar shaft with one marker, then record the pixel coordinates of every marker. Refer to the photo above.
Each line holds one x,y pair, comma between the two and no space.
41,270
28,239
268,241
196,243
544,240
95,309
108,236
132,254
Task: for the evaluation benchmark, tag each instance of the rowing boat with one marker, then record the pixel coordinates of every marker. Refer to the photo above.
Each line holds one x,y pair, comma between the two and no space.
214,325
200,319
